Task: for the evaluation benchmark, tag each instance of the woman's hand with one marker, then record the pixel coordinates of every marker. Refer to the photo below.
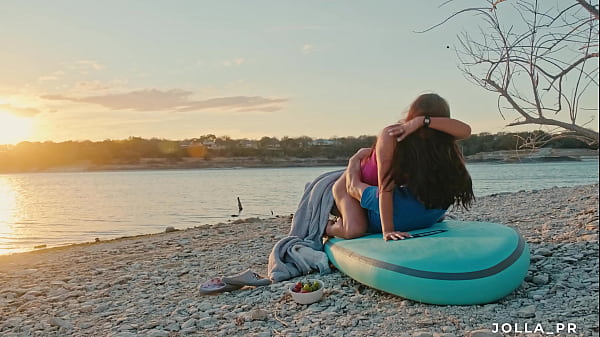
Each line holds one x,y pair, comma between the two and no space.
402,130
354,161
361,153
396,236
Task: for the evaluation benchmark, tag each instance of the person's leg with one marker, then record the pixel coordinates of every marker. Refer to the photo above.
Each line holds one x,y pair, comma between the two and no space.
353,220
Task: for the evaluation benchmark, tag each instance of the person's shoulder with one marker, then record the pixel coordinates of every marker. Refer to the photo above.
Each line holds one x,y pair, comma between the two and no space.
385,136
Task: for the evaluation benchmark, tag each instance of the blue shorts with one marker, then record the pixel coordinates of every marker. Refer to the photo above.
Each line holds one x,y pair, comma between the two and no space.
409,213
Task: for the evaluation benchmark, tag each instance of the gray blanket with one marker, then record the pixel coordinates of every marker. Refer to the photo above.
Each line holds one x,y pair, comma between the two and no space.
302,250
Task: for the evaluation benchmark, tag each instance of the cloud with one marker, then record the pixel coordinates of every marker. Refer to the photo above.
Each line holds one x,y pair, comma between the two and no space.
55,76
47,78
307,49
175,100
89,64
237,103
140,100
235,62
84,67
18,111
296,28
86,86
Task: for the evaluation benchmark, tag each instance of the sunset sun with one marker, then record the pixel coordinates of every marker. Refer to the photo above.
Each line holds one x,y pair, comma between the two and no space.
14,129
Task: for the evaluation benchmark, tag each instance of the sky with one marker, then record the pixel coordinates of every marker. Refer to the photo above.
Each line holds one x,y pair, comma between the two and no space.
95,70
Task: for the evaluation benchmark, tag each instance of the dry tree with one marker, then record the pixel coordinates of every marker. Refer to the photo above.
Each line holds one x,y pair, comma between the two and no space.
540,57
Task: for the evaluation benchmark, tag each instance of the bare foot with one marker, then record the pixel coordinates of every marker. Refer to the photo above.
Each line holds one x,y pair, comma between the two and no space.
330,223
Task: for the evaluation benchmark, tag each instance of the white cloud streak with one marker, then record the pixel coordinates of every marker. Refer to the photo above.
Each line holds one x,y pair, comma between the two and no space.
176,100
307,49
235,62
19,111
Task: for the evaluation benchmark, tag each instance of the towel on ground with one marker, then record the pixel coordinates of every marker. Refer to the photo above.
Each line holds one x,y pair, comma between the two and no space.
302,250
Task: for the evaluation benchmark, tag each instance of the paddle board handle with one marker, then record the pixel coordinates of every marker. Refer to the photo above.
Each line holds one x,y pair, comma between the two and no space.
428,233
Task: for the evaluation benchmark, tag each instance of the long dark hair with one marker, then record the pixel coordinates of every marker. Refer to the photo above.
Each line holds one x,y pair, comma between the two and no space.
430,163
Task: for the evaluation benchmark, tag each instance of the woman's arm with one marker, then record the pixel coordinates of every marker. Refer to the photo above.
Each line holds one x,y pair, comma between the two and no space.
360,155
384,150
354,185
453,127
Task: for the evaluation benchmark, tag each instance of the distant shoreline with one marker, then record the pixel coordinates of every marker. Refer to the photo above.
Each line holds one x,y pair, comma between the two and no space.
499,157
533,156
200,163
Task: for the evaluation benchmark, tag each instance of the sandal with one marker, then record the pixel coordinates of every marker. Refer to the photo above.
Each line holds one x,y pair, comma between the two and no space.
216,285
247,278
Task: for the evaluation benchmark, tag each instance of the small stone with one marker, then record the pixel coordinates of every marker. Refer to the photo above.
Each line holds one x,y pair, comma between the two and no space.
589,237
150,325
527,312
173,327
541,279
18,292
543,251
191,331
85,325
264,334
422,334
13,322
86,308
257,315
11,334
125,334
170,229
448,328
123,280
536,258
188,324
482,333
206,322
61,323
126,327
157,333
101,308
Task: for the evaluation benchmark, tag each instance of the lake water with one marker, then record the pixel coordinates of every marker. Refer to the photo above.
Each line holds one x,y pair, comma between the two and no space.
60,208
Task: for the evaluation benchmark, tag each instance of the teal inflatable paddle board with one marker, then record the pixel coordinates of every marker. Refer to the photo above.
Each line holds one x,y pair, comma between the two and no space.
452,262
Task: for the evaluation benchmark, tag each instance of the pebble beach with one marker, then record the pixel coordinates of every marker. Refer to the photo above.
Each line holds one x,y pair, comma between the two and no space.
148,285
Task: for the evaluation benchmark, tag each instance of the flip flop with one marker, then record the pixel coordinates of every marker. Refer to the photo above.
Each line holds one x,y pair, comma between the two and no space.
216,285
247,278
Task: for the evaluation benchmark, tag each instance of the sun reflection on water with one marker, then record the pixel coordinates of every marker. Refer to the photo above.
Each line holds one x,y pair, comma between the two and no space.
8,211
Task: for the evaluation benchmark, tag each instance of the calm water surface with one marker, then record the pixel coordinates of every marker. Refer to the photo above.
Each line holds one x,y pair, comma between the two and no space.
60,208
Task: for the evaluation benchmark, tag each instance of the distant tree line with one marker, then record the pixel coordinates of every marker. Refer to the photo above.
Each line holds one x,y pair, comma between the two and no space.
487,142
35,156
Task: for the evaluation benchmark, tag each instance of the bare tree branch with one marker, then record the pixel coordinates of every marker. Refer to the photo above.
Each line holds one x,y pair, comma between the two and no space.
540,65
593,10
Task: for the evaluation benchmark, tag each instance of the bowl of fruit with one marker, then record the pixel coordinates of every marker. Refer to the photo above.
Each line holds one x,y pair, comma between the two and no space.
307,292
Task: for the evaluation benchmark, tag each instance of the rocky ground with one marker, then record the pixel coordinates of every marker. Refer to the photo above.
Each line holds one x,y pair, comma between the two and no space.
148,285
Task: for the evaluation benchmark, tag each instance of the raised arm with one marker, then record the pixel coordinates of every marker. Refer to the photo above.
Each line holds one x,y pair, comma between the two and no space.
453,127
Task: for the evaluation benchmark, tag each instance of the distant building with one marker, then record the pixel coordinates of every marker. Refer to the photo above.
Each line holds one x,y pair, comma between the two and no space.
273,147
323,142
209,144
248,144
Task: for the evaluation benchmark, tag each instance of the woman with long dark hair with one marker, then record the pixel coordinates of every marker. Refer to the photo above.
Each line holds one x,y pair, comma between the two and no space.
408,180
